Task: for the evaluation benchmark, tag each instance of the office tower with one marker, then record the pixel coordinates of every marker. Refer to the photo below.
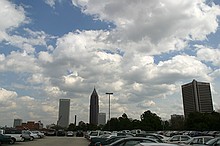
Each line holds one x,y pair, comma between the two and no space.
197,97
94,108
102,119
64,112
17,122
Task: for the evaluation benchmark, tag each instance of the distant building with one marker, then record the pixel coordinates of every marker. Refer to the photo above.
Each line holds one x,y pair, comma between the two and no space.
17,122
102,119
177,122
94,108
31,125
197,97
177,116
64,112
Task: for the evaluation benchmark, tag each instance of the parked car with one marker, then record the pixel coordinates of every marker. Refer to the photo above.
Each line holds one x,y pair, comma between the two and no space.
97,133
61,132
27,135
155,136
94,140
177,139
16,135
197,140
34,135
40,134
109,140
79,133
155,144
51,132
69,133
132,141
213,142
6,139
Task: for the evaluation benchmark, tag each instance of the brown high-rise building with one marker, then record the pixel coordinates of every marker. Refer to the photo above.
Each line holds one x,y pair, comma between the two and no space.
94,108
197,98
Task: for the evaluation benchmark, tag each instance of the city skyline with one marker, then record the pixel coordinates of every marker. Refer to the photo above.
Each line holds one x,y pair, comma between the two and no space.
141,51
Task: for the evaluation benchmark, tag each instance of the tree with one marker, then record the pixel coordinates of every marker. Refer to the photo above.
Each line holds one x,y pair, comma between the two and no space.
124,122
203,121
135,124
150,121
177,122
72,127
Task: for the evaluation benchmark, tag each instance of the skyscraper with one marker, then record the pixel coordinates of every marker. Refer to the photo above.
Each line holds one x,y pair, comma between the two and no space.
197,97
94,108
64,112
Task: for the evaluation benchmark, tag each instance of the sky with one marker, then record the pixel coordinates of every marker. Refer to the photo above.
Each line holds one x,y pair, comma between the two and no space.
140,50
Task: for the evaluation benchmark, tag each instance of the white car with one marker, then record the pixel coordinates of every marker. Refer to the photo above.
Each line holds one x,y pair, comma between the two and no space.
40,134
97,133
69,133
16,135
34,135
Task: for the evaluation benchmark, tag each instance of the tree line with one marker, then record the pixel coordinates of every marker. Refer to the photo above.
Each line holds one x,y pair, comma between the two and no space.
152,122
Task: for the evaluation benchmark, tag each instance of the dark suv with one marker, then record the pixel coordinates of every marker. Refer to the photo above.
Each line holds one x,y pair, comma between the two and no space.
6,139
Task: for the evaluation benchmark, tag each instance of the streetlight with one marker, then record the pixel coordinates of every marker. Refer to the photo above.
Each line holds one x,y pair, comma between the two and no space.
109,104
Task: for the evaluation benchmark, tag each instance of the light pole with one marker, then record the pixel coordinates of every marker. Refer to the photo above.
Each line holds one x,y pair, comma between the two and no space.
109,104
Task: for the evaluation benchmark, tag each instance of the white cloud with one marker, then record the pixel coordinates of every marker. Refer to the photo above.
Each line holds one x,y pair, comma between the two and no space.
50,2
11,15
72,80
20,62
45,57
54,92
7,101
28,43
209,55
152,26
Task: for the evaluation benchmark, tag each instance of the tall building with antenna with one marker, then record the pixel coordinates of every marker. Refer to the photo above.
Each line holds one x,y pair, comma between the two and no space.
94,108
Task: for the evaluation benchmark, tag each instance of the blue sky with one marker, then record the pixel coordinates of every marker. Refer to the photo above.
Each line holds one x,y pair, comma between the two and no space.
140,50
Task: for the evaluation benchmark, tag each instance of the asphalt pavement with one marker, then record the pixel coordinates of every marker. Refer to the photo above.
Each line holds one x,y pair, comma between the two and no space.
54,141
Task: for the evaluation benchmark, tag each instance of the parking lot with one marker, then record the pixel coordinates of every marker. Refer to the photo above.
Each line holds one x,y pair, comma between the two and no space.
54,141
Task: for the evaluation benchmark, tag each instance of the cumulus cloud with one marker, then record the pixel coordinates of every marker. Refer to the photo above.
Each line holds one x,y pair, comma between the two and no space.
208,55
7,99
154,23
20,62
11,15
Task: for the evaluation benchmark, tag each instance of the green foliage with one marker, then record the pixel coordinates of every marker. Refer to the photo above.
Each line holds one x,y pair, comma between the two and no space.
150,121
72,127
177,123
203,121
